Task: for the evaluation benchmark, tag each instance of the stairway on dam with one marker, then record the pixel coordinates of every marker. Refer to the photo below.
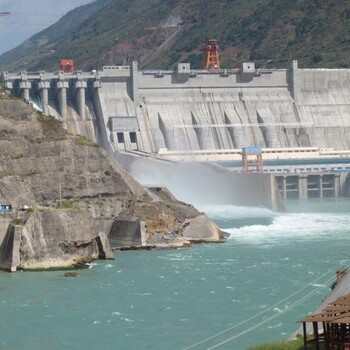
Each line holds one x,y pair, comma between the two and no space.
153,112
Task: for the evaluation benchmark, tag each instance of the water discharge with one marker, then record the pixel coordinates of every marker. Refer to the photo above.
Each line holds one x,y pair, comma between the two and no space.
275,269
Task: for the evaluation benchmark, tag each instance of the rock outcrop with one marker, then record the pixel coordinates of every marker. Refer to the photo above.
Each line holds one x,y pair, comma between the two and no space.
161,223
79,203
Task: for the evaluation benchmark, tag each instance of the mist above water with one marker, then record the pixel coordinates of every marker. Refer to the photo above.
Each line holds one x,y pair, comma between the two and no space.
193,182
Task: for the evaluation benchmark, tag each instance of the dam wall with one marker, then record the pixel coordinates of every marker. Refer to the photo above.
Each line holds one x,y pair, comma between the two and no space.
159,112
186,109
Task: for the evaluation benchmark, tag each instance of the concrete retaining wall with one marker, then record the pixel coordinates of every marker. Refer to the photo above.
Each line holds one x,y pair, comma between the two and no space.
9,249
125,233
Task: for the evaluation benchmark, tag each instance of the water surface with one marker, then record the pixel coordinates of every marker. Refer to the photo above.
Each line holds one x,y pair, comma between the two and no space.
273,271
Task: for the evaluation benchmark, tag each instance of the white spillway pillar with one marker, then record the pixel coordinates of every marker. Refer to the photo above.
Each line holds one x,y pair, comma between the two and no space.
43,87
25,87
295,89
134,83
337,179
320,185
302,185
284,187
62,87
80,86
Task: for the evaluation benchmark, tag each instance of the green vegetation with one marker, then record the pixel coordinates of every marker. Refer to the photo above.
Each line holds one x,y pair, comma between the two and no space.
268,32
5,173
52,129
82,140
18,156
65,204
296,344
4,95
69,204
31,173
17,221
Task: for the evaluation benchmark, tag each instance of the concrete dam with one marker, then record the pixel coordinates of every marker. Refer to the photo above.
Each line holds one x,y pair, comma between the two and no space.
159,113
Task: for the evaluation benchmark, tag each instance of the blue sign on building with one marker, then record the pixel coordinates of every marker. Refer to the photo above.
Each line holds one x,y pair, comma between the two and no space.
251,150
4,208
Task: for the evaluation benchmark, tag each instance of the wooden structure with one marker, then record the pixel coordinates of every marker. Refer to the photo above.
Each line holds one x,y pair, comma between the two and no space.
252,160
334,332
211,59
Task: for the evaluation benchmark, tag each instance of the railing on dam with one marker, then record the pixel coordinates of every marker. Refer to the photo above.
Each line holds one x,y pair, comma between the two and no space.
244,125
46,76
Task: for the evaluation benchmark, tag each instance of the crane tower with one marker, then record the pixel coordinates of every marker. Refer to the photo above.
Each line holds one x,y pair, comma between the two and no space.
211,59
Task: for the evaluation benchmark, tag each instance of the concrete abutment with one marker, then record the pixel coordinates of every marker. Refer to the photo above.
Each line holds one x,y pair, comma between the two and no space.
311,185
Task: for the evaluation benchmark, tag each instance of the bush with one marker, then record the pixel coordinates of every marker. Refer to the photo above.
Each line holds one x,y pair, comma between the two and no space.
52,128
82,140
65,204
316,58
17,221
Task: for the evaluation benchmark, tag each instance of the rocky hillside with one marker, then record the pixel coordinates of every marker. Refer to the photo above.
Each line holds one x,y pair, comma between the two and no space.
73,203
160,33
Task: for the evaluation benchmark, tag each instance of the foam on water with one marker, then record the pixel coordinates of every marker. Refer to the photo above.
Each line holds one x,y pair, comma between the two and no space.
295,226
229,216
276,227
235,212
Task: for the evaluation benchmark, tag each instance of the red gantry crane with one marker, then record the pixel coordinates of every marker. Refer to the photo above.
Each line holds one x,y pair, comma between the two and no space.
211,59
252,160
67,66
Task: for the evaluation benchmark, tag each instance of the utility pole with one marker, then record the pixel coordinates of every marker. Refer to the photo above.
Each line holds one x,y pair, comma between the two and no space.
60,191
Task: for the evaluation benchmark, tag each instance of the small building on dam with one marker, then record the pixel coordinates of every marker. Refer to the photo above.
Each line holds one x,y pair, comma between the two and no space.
299,117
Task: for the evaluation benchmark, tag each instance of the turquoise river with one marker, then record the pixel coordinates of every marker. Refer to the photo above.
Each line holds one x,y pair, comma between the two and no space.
274,269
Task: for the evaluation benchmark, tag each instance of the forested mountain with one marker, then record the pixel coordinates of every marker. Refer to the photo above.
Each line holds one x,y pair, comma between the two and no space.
159,33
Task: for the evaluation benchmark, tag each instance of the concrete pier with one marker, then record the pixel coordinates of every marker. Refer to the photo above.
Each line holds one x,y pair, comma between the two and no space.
25,87
43,88
80,87
309,185
134,87
62,87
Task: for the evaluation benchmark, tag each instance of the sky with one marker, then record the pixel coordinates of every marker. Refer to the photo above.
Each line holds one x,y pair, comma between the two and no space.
29,17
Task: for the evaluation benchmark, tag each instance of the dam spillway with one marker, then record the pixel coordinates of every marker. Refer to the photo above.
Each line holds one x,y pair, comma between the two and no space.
159,112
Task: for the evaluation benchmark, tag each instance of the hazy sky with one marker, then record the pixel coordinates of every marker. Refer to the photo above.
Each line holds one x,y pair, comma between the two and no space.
29,17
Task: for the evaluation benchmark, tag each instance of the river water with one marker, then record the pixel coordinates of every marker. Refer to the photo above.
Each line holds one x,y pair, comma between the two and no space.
274,269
